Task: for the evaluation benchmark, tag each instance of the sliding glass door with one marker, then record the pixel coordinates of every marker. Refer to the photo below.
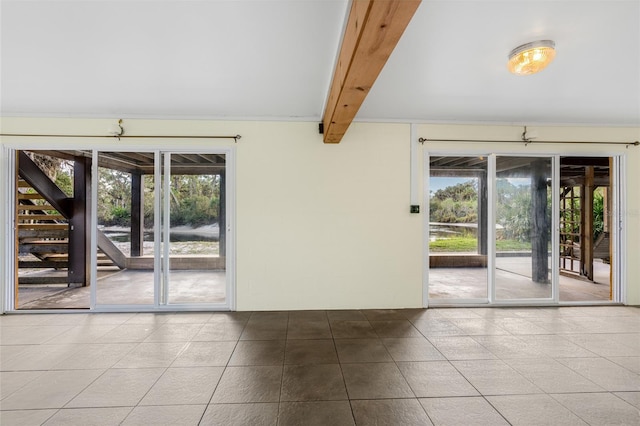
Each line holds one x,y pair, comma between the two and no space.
523,194
458,232
513,229
161,223
194,228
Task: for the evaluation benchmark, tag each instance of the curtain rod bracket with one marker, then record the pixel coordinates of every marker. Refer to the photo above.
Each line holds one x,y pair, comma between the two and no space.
526,139
422,140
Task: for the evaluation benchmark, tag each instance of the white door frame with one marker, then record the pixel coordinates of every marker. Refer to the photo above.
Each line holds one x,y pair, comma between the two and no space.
618,272
7,160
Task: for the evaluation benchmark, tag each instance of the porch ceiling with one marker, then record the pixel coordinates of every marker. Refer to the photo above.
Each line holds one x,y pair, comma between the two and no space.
143,162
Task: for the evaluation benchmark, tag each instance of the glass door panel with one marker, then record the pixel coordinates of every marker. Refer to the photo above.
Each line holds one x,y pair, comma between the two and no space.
523,228
194,225
125,237
586,237
458,232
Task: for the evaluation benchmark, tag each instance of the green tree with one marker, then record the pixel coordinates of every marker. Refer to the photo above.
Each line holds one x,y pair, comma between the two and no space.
455,204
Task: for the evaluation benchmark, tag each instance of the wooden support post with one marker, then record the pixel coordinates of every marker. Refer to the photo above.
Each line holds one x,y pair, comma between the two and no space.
483,225
78,223
539,223
222,216
137,214
586,244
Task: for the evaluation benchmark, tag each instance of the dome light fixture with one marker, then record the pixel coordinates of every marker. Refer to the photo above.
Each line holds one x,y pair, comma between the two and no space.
531,58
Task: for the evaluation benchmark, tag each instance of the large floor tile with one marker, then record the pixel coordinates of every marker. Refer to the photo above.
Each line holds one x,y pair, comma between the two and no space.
411,349
183,415
518,326
534,410
460,348
352,329
435,379
249,384
32,335
552,376
95,356
300,352
348,315
11,381
632,398
127,332
52,389
604,373
265,327
395,328
556,346
600,408
308,329
150,355
258,352
220,331
319,413
468,411
508,347
112,416
631,363
264,414
88,332
184,386
39,357
607,345
478,327
383,314
117,388
171,332
375,381
437,326
362,350
313,383
190,318
25,417
389,412
494,377
205,354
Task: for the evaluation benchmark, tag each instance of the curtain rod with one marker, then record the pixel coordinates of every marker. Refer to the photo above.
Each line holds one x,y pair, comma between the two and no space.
116,136
528,141
117,132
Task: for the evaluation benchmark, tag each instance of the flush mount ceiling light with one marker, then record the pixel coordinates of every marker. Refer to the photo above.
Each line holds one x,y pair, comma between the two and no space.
532,57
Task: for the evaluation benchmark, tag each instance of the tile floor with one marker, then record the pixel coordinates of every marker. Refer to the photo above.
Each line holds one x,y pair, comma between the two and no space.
490,366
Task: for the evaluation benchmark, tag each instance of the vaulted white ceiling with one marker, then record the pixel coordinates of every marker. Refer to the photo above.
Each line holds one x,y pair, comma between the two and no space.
274,59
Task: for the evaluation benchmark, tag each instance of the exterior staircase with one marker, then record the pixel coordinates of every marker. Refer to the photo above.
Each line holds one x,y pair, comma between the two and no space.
43,240
43,233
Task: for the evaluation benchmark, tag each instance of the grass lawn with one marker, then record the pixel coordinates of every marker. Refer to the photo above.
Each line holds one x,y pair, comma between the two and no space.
470,244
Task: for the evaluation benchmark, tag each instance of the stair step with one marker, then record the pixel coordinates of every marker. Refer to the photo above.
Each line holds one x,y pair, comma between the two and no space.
36,207
23,184
42,226
41,217
45,247
29,196
42,264
43,233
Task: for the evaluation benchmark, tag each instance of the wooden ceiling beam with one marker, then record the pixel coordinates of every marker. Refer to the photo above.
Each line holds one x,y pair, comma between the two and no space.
373,29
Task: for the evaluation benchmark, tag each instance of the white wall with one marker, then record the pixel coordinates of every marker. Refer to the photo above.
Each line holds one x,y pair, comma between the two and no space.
328,226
